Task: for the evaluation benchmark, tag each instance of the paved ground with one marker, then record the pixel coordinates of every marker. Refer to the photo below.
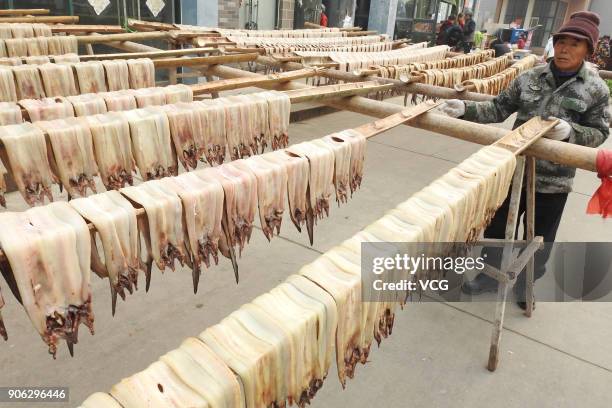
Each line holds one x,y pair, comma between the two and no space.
562,357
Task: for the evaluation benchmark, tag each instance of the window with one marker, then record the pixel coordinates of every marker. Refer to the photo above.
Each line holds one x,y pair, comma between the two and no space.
514,9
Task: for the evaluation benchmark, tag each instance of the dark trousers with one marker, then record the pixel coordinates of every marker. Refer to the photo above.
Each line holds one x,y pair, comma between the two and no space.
548,211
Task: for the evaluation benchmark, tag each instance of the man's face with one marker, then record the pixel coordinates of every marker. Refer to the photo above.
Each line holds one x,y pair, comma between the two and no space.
569,53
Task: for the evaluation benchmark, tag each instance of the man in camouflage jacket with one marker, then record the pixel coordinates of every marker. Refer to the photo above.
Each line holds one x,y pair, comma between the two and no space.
568,89
582,102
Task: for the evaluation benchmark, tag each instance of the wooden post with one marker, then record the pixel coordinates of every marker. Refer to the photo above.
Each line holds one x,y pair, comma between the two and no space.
507,257
530,233
104,38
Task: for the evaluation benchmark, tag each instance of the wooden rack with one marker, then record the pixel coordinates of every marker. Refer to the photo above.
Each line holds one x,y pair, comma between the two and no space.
24,12
41,19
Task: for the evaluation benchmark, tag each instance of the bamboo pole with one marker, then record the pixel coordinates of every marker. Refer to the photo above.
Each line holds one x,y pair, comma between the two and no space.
41,19
151,54
317,94
132,47
236,83
559,152
198,61
23,12
104,38
140,25
360,33
83,28
423,89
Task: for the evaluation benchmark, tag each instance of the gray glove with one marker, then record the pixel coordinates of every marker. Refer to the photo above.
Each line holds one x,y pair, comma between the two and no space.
561,131
454,108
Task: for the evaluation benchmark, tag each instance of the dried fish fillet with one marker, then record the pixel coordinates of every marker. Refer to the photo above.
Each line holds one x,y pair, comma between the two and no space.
342,167
73,154
163,230
117,74
112,148
37,46
212,139
202,197
8,92
22,30
151,143
11,62
47,108
66,58
240,189
37,60
58,79
178,93
63,44
346,291
90,76
271,192
142,73
27,82
184,129
321,178
119,100
358,147
157,386
149,97
26,150
279,109
87,104
51,267
16,47
298,171
10,113
238,130
116,224
197,366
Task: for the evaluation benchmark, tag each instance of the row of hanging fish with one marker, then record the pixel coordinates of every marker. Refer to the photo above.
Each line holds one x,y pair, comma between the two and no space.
496,83
24,30
287,45
189,218
37,46
66,79
277,350
72,151
351,61
39,59
458,61
91,104
454,76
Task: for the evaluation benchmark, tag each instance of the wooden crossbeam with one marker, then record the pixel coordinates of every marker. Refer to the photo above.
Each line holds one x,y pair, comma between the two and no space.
86,28
24,12
151,54
41,19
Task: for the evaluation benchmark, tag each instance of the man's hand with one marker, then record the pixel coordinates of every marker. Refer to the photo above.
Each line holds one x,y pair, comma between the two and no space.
455,108
561,131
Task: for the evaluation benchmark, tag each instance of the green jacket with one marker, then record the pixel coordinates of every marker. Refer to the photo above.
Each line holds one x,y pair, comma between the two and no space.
581,101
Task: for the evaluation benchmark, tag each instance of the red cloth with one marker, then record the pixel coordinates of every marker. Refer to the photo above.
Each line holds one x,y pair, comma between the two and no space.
601,202
323,20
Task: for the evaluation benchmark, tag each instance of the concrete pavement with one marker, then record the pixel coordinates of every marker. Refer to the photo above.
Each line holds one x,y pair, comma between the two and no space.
561,357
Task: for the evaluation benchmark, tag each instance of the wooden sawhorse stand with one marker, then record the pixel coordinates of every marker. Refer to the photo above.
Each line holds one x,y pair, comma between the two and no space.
511,264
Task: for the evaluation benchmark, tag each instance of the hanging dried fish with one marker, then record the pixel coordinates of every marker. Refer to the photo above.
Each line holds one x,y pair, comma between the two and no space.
26,150
87,104
28,82
73,155
142,73
51,267
58,79
117,74
112,147
116,224
47,108
8,92
10,113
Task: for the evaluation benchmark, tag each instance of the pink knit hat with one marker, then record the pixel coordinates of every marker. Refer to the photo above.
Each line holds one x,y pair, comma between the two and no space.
583,25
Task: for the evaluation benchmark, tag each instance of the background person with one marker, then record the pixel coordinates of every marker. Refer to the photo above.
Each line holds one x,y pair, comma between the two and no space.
469,29
446,24
565,88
